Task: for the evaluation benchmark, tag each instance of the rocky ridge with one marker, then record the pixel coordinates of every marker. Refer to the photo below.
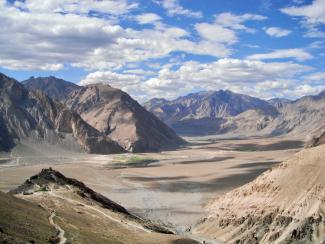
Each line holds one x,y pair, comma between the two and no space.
114,113
33,116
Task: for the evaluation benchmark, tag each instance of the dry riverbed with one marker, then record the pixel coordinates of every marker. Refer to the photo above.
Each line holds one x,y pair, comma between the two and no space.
170,187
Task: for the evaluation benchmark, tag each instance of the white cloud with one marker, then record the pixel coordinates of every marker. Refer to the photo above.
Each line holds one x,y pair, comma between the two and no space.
306,89
255,78
147,18
317,44
114,7
173,8
222,30
216,33
244,76
295,53
235,22
313,13
277,32
313,16
319,76
139,72
51,40
111,78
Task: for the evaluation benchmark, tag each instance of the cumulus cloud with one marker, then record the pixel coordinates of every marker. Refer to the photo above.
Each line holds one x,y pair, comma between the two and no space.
312,13
51,40
147,18
277,32
296,53
224,27
216,33
111,78
114,7
244,76
312,17
173,8
235,22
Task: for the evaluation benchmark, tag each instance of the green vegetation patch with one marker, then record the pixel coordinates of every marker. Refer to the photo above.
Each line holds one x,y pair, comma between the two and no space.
134,162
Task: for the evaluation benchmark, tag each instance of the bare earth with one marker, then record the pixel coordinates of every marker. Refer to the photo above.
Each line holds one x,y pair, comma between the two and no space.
171,187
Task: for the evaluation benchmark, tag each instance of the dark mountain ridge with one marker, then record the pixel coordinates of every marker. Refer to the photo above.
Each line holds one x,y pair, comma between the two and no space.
53,87
33,116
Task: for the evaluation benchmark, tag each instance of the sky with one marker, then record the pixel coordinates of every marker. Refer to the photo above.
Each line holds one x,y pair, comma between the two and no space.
169,48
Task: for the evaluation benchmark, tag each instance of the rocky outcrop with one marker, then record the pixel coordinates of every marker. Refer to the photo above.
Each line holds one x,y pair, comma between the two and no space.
50,176
31,115
114,113
53,87
48,179
284,205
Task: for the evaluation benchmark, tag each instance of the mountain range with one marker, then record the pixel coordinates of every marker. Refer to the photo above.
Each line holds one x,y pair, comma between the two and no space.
115,117
30,116
226,112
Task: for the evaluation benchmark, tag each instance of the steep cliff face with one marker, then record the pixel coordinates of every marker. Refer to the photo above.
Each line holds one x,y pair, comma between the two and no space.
284,205
34,116
114,113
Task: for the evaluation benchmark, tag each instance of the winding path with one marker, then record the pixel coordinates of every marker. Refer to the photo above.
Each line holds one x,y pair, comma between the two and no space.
60,235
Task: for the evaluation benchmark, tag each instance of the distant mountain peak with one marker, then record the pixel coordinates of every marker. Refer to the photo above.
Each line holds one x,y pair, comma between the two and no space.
52,86
224,111
33,116
123,119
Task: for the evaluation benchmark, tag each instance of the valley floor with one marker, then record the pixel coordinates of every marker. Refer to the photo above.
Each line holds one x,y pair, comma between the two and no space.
172,187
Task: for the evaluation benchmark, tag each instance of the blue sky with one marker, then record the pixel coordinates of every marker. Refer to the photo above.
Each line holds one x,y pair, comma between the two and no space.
168,48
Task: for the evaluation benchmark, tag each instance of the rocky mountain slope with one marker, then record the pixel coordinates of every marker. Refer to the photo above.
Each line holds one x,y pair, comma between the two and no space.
224,112
50,207
32,116
317,137
114,113
53,87
284,205
300,116
206,112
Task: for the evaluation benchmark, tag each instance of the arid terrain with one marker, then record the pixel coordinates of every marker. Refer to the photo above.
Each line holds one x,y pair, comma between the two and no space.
171,188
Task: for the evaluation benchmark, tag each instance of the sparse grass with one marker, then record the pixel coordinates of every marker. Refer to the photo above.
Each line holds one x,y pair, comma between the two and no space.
138,159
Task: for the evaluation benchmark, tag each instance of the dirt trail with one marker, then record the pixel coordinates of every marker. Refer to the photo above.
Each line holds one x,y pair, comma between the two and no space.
60,235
